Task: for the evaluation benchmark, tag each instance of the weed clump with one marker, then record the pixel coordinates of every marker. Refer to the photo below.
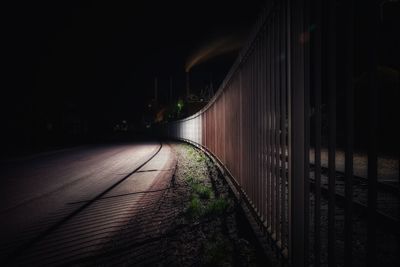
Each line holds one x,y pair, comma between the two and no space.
217,207
195,208
202,191
203,202
191,180
200,158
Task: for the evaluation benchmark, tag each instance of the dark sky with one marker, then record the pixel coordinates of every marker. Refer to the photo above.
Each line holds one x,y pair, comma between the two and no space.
98,59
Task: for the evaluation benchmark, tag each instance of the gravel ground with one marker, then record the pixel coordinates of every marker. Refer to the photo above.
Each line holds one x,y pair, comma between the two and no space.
192,221
387,240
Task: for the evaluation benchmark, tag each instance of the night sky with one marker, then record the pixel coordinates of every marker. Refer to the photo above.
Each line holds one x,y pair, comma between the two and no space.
72,67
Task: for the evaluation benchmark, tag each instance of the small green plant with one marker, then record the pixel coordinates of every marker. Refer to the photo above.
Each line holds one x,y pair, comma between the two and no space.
190,150
195,209
200,158
192,180
217,207
202,191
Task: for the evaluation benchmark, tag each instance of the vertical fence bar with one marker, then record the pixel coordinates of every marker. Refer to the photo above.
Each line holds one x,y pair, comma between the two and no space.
292,257
262,115
280,130
273,125
246,127
268,129
297,122
277,125
205,127
240,128
306,73
224,125
251,128
372,8
317,42
263,125
348,224
254,127
273,134
215,126
332,131
257,119
283,46
248,136
259,163
256,130
251,138
270,132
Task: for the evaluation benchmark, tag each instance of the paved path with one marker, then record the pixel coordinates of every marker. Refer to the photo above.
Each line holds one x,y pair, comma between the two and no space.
47,210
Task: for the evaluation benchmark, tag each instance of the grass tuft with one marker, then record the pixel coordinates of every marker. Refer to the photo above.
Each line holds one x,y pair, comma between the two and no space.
202,191
216,207
195,209
201,158
191,180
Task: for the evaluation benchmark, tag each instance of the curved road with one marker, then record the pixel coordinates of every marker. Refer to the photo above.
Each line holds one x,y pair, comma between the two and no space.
41,192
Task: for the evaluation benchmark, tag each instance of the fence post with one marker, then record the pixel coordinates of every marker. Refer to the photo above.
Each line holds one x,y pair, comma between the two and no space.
298,66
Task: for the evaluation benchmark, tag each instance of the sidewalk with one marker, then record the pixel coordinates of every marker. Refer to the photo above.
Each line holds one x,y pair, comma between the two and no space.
189,220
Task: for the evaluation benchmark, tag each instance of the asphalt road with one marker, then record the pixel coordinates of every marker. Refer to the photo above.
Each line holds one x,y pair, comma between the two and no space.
37,193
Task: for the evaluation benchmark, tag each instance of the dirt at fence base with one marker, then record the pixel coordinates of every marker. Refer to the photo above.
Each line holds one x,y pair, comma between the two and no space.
195,221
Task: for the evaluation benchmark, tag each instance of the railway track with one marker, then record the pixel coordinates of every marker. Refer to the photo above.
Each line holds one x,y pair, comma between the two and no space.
387,200
85,226
388,196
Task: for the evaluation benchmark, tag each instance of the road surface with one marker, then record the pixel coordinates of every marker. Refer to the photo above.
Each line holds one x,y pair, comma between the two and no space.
65,205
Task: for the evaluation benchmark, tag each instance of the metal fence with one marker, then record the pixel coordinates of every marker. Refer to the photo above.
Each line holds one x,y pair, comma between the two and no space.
280,99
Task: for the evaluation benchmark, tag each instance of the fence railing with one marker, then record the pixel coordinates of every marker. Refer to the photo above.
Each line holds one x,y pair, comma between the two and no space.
278,104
